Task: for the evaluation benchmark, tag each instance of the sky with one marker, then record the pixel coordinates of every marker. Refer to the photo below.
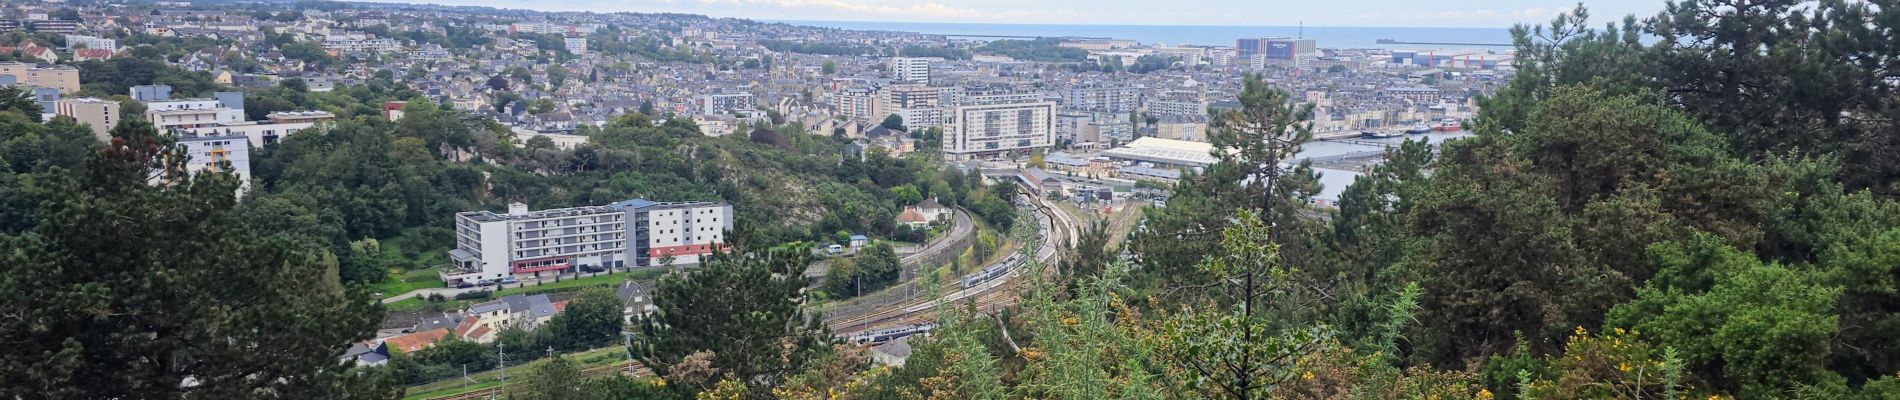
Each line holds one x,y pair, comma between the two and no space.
1397,13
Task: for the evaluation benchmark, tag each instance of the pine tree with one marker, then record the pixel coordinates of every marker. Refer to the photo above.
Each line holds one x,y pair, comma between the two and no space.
124,289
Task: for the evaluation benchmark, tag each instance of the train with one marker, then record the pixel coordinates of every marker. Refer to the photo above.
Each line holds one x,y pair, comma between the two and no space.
889,334
991,272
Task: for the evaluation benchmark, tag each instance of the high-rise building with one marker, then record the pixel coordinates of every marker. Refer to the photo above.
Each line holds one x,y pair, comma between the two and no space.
921,106
862,103
576,44
1117,99
911,69
999,125
212,153
626,234
1275,48
100,114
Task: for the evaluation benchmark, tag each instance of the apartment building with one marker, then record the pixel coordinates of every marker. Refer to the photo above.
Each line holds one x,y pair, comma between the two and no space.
99,114
716,103
64,78
911,69
921,106
632,233
90,42
1116,99
226,108
211,153
860,103
999,125
575,43
363,45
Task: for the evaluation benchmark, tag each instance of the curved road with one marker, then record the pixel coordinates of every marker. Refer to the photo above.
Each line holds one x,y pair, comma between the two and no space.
960,226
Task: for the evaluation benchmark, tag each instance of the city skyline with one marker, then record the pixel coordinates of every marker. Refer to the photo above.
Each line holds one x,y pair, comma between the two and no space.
1364,13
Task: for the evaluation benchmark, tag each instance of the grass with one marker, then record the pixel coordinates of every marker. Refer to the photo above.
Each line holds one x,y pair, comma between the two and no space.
486,379
400,282
569,285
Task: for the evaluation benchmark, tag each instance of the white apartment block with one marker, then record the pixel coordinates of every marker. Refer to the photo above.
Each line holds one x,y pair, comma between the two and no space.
911,69
185,119
626,234
922,107
575,44
185,114
1116,99
90,42
210,153
860,103
363,45
1179,108
999,126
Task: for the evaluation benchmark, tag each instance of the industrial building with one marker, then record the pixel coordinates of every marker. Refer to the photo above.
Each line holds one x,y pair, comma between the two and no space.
626,234
1164,153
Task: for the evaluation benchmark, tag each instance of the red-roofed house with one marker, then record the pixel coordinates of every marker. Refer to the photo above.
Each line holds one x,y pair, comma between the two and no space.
415,342
910,216
40,53
473,330
91,54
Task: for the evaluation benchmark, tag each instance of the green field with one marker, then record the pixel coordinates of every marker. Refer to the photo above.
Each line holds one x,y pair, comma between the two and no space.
647,275
400,282
486,379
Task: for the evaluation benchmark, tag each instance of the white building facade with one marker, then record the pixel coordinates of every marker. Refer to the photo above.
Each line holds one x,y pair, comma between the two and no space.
994,126
626,234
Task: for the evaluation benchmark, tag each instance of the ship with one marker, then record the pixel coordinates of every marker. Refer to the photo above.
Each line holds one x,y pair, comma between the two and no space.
1450,125
1418,128
1382,133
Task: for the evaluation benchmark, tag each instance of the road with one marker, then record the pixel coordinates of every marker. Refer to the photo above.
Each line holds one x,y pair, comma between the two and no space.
960,226
451,292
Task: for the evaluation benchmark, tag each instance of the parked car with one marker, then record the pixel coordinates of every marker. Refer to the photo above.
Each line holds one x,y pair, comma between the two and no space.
593,268
463,284
484,282
834,249
509,280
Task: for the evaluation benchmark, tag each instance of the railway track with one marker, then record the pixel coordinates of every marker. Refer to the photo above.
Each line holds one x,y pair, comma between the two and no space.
1057,228
639,371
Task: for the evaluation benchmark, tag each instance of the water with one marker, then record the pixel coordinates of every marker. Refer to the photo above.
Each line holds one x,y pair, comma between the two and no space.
1318,149
1200,35
1333,182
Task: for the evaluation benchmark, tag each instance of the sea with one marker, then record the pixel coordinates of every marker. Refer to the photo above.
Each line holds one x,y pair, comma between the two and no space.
1348,37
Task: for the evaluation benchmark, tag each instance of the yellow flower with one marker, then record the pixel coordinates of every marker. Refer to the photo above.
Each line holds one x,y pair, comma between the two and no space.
1070,321
1619,331
1484,394
1581,331
1308,375
1623,367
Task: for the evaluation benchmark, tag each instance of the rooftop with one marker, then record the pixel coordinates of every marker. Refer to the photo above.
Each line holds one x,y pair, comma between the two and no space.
1165,151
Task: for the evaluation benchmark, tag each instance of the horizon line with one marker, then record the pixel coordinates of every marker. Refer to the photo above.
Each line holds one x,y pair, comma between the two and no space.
797,21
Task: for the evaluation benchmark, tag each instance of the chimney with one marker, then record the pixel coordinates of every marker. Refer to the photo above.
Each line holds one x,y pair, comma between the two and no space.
517,209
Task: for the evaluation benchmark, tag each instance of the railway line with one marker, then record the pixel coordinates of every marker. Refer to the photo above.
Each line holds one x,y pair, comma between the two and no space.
989,288
639,371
